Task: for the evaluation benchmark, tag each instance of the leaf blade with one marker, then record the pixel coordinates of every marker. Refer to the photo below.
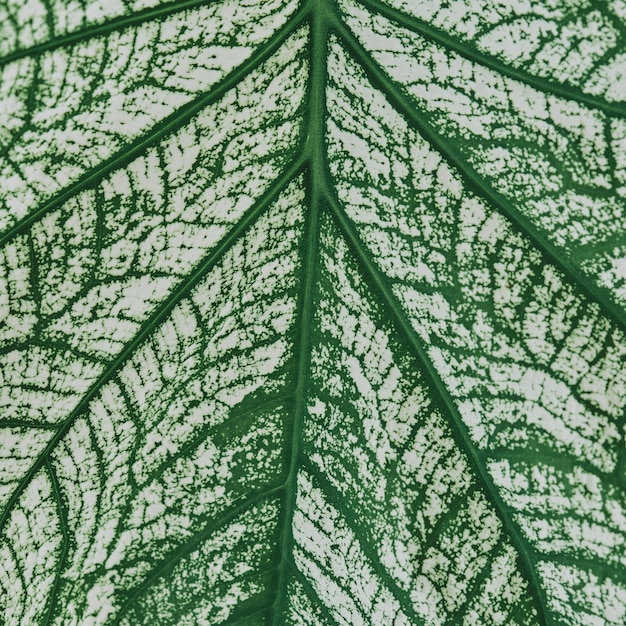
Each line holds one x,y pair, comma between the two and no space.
356,395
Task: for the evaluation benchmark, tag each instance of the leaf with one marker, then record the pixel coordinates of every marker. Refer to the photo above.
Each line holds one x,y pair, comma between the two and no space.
312,314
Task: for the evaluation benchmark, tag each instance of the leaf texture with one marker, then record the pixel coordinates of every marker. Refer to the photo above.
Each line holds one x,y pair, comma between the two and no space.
312,313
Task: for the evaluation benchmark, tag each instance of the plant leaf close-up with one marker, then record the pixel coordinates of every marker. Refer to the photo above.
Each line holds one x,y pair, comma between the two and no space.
312,312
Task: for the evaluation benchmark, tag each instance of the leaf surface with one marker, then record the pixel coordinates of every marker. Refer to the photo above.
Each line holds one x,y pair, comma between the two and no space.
312,314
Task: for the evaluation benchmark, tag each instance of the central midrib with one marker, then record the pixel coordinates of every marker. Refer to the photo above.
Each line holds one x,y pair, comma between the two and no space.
315,159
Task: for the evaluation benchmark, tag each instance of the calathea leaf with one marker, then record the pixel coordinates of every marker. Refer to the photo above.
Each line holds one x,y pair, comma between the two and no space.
312,313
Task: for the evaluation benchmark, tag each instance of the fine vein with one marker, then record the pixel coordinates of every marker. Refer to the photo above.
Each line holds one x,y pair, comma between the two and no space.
445,402
158,316
475,182
160,130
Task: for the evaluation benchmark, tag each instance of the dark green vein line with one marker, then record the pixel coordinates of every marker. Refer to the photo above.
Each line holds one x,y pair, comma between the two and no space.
336,498
245,619
311,593
549,457
475,183
315,153
221,427
342,586
590,250
17,423
34,281
49,344
447,518
531,362
186,448
56,491
168,563
159,315
21,581
445,401
117,23
470,52
601,569
480,578
160,130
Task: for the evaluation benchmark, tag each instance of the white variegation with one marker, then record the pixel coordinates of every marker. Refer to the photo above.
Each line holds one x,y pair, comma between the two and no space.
312,313
535,370
77,106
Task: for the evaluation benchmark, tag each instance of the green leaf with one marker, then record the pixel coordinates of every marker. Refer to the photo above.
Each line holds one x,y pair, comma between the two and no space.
312,313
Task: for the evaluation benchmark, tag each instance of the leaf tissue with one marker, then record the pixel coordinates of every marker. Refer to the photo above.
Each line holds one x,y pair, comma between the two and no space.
312,312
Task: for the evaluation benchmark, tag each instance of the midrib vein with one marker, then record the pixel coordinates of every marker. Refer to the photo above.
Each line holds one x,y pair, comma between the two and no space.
161,129
315,154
